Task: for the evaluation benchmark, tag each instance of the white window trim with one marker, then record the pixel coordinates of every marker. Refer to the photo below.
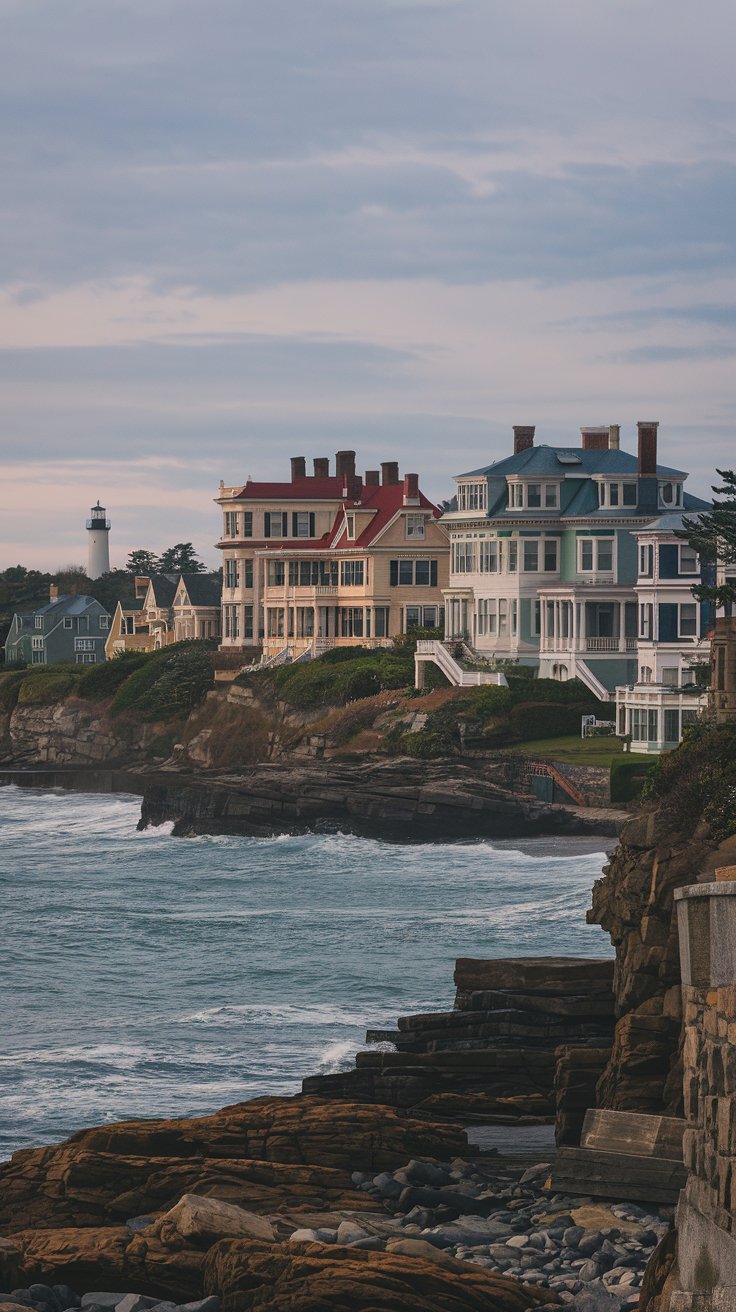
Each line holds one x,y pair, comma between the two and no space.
596,571
687,573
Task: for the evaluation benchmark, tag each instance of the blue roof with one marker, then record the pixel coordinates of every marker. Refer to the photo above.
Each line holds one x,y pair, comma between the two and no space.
68,606
559,460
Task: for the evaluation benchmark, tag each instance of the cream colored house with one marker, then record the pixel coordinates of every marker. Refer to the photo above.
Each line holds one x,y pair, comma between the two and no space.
330,559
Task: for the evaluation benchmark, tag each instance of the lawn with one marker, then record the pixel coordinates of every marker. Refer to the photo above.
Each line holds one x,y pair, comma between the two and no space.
576,750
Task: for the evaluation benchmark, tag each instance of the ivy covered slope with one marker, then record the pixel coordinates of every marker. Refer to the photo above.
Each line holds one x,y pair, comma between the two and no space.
694,786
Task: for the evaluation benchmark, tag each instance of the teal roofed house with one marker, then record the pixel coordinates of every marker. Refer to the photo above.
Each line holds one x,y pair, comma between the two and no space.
545,562
66,629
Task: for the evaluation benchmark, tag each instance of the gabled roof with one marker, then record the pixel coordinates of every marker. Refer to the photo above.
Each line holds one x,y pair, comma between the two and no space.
164,588
300,489
68,606
563,460
203,589
384,501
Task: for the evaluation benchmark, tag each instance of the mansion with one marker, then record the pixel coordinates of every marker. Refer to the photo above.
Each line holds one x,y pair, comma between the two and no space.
329,559
567,559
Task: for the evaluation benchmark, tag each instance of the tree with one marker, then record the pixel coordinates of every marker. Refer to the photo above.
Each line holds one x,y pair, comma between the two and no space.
713,535
142,562
180,559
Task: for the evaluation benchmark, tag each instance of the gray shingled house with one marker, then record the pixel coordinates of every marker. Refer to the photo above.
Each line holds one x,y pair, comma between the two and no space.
66,630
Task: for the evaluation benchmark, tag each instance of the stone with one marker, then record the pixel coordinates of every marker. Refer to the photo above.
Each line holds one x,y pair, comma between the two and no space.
103,1299
204,1220
249,1274
135,1303
348,1232
303,1237
420,1248
596,1298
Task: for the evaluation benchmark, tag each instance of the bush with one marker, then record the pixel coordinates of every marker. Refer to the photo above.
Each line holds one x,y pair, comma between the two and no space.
552,690
530,720
99,682
490,701
697,781
629,777
361,682
9,689
43,688
170,683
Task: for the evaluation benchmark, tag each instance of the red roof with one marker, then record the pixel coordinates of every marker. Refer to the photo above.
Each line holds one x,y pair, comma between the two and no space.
384,500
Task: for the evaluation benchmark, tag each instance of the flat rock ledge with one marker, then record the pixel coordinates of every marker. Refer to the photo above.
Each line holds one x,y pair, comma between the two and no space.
397,798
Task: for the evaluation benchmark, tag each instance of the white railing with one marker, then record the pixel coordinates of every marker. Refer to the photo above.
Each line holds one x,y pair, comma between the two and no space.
586,676
437,653
601,644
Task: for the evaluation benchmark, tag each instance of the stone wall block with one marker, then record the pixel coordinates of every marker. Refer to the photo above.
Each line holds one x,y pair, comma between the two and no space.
726,1001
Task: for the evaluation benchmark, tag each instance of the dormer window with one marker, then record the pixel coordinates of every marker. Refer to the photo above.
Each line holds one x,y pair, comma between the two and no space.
472,496
615,494
415,526
350,527
670,494
533,496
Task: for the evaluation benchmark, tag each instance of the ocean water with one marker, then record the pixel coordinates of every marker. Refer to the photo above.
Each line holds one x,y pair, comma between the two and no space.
145,975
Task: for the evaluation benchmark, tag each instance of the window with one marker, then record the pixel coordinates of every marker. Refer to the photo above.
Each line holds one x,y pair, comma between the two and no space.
672,726
305,622
275,524
248,568
37,644
463,552
231,523
646,620
247,523
232,627
68,622
84,644
275,573
231,573
551,496
86,660
516,496
688,560
352,573
644,725
247,621
412,617
629,494
38,658
39,621
670,494
405,573
534,496
671,676
536,618
688,620
617,494
489,556
302,524
512,557
351,621
550,555
531,557
275,621
689,718
595,555
381,615
503,617
350,526
104,621
472,496
415,526
646,561
429,617
645,674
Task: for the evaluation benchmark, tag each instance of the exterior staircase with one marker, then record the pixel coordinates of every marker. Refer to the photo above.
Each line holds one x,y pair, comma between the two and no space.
435,653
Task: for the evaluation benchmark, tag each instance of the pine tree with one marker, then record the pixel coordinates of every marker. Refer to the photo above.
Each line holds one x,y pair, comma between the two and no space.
142,562
713,535
180,559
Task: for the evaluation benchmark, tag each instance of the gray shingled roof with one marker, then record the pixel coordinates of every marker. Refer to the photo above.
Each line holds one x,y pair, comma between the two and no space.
546,460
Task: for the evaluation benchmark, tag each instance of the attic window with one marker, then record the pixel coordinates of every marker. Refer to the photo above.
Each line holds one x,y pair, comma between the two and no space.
350,526
569,458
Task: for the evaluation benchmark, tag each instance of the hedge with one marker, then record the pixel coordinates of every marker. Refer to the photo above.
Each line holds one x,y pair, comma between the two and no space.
530,720
170,683
42,688
628,777
102,681
9,689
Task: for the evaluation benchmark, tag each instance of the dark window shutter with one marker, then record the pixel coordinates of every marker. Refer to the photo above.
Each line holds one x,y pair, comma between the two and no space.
267,524
394,573
433,573
284,523
667,622
294,523
311,523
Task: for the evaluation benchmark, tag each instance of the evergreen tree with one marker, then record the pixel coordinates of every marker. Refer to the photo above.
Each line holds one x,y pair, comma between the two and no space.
713,535
180,559
142,562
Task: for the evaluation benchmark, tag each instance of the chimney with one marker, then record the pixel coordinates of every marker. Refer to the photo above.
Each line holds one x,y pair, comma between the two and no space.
53,592
352,487
298,468
647,431
614,437
322,467
344,463
372,478
389,472
411,489
595,439
523,437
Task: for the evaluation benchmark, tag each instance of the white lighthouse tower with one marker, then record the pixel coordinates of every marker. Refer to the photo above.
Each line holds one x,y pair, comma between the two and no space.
98,544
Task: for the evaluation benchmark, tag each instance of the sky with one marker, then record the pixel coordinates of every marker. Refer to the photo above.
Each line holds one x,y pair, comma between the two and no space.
234,231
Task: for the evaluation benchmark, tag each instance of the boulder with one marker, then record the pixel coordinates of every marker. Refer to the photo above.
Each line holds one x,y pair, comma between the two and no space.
201,1221
247,1274
110,1257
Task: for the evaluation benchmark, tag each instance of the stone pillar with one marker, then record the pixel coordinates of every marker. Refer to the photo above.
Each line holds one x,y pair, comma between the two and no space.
706,1213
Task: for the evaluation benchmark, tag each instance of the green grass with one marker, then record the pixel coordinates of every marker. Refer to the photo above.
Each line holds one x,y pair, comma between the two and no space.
577,750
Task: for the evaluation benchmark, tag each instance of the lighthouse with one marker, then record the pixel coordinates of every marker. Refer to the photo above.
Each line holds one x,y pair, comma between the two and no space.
98,545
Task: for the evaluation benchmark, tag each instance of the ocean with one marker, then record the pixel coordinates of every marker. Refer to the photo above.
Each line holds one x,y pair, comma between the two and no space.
146,975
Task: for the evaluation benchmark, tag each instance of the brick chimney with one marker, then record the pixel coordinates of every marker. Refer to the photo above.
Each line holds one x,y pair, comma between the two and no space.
614,437
523,437
411,489
352,487
647,430
389,472
321,467
594,439
345,463
372,478
298,468
53,592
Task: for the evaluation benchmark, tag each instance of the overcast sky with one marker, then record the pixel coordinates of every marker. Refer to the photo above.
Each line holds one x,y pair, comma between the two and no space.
239,230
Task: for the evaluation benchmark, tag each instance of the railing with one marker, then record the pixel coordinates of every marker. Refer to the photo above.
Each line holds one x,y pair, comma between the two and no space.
586,676
601,644
460,678
325,590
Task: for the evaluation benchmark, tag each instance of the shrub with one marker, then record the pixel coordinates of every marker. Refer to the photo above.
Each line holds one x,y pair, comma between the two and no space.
530,720
551,690
102,681
697,781
170,683
9,689
42,688
490,701
364,681
629,777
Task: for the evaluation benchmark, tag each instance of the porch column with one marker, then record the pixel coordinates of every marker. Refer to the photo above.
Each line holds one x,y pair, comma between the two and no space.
621,626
